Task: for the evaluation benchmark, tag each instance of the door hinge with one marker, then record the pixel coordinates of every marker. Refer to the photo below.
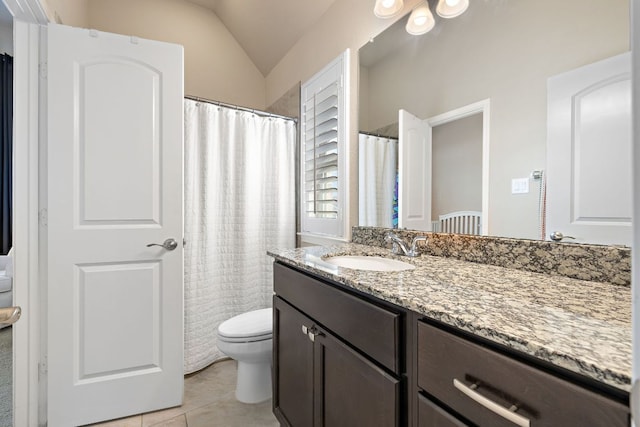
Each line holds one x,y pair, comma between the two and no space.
42,69
42,370
43,217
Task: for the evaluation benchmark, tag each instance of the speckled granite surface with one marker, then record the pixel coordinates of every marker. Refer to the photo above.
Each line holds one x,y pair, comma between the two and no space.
582,326
599,263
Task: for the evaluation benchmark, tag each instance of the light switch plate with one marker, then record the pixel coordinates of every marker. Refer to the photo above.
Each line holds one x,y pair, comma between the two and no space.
519,185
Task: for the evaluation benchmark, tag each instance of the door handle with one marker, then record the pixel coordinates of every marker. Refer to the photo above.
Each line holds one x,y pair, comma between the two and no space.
9,315
169,244
557,236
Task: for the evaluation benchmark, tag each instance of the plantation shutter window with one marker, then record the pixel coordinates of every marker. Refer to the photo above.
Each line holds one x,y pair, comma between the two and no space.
322,151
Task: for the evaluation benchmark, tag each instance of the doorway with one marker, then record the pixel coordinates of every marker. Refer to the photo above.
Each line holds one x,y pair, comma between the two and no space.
480,113
456,172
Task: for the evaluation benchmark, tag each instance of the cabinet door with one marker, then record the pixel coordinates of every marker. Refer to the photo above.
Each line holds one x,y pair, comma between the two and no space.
292,366
350,390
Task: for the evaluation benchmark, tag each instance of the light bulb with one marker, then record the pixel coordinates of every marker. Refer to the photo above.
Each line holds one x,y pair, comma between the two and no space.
451,8
387,8
420,20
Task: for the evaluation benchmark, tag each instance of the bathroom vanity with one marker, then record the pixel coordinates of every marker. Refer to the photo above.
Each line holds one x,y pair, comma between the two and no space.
329,344
449,343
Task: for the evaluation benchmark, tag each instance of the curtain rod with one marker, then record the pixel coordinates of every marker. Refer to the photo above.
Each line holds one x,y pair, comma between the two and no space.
395,138
239,108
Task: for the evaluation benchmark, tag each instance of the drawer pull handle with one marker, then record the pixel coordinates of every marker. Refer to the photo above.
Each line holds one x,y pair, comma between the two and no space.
311,332
491,405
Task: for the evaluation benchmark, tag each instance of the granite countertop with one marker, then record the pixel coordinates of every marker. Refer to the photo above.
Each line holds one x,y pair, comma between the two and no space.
581,326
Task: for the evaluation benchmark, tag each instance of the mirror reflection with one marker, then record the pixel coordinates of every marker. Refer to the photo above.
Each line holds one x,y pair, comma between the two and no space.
499,52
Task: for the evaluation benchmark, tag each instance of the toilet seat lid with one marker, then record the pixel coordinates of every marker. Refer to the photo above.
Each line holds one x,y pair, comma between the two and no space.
257,323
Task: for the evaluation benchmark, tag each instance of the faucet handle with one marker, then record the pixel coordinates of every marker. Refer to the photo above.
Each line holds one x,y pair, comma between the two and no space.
398,246
414,245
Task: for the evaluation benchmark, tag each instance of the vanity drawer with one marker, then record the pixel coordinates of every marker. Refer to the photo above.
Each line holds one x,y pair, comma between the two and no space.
370,328
430,415
449,367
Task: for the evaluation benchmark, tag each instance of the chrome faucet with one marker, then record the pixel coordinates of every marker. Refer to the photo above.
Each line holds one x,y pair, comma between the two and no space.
400,247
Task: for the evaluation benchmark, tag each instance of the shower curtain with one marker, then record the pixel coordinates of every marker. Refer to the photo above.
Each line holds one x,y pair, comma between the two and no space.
378,166
239,201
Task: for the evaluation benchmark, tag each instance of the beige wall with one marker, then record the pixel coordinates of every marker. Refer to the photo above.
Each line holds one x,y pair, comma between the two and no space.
505,51
457,166
67,12
216,67
289,104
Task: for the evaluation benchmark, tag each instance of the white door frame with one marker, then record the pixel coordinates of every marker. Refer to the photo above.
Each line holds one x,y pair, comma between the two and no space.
483,107
28,15
635,266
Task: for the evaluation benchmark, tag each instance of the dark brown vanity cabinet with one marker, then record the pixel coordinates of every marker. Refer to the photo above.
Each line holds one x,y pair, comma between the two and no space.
320,377
343,358
484,387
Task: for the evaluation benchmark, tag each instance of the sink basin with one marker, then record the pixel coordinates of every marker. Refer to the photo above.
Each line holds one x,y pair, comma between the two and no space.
371,263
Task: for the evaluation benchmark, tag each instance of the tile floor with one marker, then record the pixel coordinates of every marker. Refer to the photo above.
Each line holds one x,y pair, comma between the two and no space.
209,401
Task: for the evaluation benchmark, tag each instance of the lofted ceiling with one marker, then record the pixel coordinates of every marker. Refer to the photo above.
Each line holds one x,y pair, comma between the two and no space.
267,29
5,17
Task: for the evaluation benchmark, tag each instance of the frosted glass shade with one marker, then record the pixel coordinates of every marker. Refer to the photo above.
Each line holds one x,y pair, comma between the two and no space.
451,8
421,20
387,8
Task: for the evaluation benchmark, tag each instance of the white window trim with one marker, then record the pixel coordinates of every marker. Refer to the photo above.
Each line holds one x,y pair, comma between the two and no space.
331,230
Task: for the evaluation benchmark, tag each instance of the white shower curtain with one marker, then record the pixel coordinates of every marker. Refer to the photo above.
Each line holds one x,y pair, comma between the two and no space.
239,201
378,167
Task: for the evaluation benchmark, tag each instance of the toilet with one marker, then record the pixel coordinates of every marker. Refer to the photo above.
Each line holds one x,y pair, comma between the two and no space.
247,339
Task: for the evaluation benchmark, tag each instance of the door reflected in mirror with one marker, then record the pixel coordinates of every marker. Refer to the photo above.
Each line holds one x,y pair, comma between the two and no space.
497,50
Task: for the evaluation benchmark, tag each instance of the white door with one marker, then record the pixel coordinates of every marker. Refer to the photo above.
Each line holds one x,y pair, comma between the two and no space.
114,185
589,153
414,177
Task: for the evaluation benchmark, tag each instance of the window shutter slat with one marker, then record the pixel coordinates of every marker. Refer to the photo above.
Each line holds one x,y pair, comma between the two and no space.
321,153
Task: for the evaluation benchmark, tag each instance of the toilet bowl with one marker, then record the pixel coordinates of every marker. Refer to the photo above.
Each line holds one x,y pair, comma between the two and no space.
247,339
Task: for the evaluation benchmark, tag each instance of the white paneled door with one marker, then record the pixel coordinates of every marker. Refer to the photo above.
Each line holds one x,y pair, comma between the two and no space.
589,153
414,165
114,185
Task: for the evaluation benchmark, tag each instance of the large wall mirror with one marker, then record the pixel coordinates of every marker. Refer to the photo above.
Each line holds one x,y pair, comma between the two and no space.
499,52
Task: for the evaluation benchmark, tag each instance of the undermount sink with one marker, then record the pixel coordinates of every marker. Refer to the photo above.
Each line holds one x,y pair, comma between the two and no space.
371,263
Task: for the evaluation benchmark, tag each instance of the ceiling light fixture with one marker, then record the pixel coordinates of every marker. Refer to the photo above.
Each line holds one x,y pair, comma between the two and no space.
451,8
421,20
387,8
